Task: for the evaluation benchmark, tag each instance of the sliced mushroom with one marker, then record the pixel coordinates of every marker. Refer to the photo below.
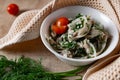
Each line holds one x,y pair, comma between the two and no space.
89,47
80,32
66,53
93,33
104,37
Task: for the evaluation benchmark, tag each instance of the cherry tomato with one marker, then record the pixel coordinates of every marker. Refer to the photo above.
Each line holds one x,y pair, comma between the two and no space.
60,26
62,21
59,29
13,9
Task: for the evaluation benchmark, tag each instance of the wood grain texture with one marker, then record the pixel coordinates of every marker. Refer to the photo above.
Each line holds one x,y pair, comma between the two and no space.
34,48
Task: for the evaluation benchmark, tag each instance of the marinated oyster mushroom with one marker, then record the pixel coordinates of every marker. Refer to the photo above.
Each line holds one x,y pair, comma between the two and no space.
89,47
98,38
83,39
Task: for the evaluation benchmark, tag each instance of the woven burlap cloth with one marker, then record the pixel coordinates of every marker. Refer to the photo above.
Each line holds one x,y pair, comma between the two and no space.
27,26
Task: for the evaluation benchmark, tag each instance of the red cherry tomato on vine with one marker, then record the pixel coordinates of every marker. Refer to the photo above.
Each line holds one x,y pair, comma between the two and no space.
59,29
13,9
62,21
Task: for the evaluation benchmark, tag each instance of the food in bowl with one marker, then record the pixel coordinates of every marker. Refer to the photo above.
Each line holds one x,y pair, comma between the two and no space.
79,37
95,15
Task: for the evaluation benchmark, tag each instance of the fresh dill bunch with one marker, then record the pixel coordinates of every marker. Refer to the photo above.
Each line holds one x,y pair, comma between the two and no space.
29,69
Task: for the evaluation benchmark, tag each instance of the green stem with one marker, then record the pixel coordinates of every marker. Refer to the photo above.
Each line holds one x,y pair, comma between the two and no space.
79,69
69,73
65,75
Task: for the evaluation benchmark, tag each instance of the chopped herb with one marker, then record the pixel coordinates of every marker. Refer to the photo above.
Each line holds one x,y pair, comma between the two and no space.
68,45
79,15
80,52
82,21
77,27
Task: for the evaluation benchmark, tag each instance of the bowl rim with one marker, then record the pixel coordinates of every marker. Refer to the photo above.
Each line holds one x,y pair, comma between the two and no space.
74,59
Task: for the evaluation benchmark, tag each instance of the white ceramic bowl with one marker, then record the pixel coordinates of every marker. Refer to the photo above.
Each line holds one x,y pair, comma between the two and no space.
71,11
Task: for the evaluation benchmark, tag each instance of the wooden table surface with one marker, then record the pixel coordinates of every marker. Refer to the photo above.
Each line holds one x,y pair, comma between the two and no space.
34,48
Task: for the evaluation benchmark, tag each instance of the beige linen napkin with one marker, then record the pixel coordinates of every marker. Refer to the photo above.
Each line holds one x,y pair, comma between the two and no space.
27,25
109,69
